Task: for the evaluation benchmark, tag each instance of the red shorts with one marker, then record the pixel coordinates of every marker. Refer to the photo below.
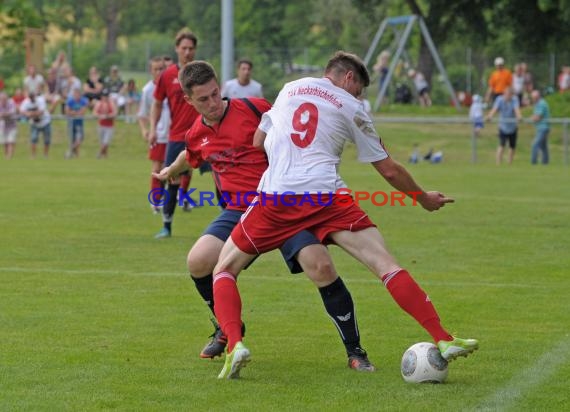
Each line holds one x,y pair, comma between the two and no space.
157,152
267,224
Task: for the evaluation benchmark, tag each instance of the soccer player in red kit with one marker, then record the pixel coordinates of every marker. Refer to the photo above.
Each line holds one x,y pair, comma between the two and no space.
307,128
182,117
223,136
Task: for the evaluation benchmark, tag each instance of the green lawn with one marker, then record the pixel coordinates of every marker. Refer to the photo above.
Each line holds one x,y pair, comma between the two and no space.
97,315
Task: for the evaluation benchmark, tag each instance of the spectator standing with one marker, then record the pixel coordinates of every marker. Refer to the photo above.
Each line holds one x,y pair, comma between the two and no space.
564,79
36,110
8,124
243,85
75,108
518,82
422,87
381,69
106,111
18,97
60,63
501,78
540,117
34,82
69,83
509,114
476,114
52,89
528,81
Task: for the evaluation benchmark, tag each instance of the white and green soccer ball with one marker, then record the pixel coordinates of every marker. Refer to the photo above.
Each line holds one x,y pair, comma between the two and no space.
422,362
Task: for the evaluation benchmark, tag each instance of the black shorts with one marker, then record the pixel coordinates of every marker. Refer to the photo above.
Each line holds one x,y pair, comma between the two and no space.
423,91
510,137
222,227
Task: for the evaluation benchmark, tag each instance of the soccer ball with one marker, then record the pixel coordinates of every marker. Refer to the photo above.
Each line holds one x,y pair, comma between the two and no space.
422,362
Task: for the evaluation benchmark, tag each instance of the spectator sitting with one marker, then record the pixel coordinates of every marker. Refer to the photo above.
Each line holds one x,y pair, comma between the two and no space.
133,98
93,86
116,86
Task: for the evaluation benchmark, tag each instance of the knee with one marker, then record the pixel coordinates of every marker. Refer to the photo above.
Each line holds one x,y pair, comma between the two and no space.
321,272
198,265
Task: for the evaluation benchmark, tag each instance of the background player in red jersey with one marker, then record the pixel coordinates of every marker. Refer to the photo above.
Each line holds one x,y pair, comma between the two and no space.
223,136
182,117
157,150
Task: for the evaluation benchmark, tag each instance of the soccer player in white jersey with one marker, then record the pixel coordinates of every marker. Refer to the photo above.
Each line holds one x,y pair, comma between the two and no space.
304,135
157,150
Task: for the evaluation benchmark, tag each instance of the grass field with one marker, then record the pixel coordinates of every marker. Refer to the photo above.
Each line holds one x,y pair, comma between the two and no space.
97,315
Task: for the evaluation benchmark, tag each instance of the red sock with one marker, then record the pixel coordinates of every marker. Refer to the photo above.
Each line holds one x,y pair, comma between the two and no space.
185,182
407,293
155,183
227,307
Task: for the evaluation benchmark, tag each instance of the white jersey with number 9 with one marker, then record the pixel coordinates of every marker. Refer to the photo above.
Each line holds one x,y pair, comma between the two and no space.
307,129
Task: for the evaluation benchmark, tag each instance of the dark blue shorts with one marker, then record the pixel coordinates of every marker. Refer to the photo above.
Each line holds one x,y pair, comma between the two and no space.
223,225
508,137
173,149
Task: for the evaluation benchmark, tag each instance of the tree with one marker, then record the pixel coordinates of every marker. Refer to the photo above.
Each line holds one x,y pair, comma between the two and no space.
443,17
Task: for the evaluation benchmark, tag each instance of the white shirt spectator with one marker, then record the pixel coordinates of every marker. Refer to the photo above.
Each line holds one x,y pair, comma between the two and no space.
34,84
39,104
234,90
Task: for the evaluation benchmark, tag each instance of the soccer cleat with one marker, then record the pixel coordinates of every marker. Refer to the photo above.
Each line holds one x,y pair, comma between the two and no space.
187,206
235,360
457,347
164,233
358,360
217,345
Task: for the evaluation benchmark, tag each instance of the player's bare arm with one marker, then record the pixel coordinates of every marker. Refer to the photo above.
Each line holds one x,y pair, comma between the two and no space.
144,125
259,139
402,180
155,112
180,165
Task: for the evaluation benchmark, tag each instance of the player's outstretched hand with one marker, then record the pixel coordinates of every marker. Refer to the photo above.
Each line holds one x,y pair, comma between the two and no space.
431,201
162,175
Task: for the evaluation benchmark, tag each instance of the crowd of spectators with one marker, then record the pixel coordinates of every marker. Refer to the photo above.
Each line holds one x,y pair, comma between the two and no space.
59,91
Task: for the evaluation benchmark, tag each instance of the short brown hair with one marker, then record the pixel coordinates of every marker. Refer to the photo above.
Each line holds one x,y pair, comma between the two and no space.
343,62
186,34
245,61
195,73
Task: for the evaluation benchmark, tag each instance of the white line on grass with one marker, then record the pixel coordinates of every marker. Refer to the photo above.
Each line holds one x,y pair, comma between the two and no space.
369,279
529,379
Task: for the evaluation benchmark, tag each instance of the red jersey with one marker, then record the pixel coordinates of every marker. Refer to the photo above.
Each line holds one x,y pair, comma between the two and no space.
228,147
182,114
105,108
